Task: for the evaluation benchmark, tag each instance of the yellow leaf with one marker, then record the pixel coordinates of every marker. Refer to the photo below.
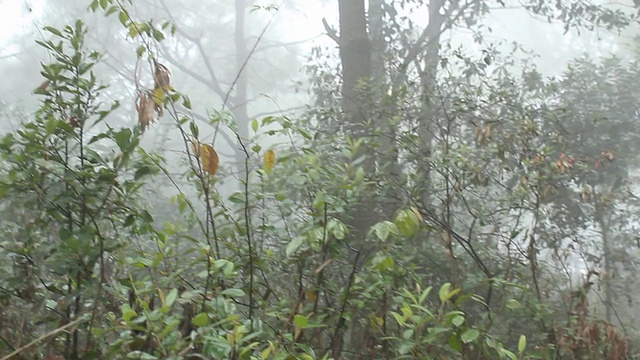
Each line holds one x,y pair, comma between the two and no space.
159,95
296,333
417,213
269,159
312,296
209,158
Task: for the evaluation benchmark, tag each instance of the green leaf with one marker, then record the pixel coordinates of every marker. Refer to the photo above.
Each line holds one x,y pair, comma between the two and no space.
51,126
123,17
123,139
53,30
254,125
513,304
237,198
384,263
172,325
186,102
194,129
408,222
142,171
522,344
359,178
294,245
301,321
265,353
226,266
111,10
383,229
444,294
140,50
338,229
140,355
305,134
158,35
133,30
424,294
171,297
4,189
508,354
458,320
98,137
127,313
232,292
201,319
470,335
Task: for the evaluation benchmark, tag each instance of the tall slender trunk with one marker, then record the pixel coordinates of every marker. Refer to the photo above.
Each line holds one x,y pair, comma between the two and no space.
240,97
608,266
428,79
385,107
355,56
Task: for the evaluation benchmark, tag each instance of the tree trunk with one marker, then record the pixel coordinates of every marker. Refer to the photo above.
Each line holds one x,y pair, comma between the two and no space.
240,98
388,169
355,56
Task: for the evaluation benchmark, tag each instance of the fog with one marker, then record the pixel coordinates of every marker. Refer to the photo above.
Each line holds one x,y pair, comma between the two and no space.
490,145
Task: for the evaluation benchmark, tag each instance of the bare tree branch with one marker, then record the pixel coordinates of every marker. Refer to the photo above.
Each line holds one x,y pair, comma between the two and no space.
214,84
331,32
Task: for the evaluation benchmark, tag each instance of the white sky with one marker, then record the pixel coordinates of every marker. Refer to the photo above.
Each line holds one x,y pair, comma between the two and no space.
12,13
17,16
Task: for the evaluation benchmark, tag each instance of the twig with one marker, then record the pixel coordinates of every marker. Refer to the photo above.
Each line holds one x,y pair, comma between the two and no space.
331,32
240,72
55,332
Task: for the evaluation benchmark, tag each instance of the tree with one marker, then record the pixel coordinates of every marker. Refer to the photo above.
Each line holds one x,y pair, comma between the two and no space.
321,253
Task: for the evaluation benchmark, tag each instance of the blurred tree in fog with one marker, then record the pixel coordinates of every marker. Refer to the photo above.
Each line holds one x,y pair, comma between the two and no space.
441,197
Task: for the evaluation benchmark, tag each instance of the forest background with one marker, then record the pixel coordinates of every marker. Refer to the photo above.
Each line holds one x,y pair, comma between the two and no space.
443,179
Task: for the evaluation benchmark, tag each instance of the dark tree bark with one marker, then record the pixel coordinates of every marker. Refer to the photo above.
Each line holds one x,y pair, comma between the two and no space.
355,56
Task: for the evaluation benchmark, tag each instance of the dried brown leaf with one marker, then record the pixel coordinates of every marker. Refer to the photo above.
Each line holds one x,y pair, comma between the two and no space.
41,89
146,107
161,77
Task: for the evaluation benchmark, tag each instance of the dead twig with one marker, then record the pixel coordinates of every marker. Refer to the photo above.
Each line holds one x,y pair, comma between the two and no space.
44,337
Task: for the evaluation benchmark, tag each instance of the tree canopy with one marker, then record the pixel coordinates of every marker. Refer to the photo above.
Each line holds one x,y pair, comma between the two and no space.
426,198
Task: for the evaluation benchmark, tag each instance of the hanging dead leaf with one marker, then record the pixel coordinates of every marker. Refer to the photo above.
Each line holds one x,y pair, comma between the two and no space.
195,147
145,106
209,158
586,193
564,163
40,89
597,164
538,159
269,159
609,155
523,181
161,77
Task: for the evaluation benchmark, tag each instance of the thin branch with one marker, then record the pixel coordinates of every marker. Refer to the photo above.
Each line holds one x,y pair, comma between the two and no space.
207,63
211,84
44,337
331,32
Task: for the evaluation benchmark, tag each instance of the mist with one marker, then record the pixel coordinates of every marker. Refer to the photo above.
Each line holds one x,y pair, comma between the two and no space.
345,179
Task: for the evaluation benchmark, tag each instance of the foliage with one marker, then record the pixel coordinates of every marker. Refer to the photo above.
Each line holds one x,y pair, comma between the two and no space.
471,222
